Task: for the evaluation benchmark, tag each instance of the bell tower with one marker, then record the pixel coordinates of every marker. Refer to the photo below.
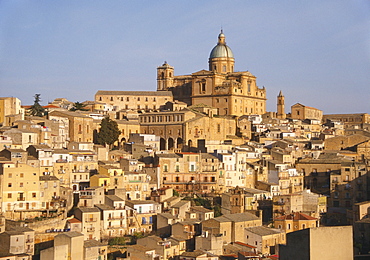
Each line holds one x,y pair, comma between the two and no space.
281,106
165,74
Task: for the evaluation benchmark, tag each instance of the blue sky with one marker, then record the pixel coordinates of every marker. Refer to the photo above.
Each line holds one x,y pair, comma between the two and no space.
316,52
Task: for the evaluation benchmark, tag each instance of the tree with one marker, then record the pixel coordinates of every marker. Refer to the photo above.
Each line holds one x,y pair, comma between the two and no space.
36,109
108,132
79,106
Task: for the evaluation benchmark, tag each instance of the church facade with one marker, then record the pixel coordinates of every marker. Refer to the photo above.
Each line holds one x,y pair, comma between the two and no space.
232,93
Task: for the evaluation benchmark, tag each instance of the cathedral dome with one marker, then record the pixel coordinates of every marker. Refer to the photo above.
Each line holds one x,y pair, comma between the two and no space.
221,50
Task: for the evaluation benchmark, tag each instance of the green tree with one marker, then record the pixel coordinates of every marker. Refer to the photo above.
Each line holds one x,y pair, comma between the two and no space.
79,106
108,133
36,109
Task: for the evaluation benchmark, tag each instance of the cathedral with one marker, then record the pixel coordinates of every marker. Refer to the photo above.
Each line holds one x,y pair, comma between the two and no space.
232,93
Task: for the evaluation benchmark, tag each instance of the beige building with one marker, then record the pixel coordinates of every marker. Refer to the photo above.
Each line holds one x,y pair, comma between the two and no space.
166,248
19,242
302,112
90,219
330,243
80,126
231,92
295,221
181,130
266,240
113,220
230,226
189,172
133,100
349,120
22,138
10,106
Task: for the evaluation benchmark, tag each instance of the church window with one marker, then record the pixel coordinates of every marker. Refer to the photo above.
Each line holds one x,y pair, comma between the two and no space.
127,99
224,68
121,98
138,98
214,67
170,74
126,106
146,99
203,87
225,99
218,128
154,107
100,99
217,100
249,87
154,99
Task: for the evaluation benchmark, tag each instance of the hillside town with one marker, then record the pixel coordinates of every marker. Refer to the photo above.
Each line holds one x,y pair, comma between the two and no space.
196,169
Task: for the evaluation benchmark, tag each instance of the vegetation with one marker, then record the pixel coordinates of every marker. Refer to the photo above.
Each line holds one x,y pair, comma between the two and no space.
36,109
217,211
109,132
79,106
117,241
175,193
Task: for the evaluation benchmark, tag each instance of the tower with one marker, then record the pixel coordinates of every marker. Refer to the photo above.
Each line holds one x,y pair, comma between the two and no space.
281,106
165,77
221,59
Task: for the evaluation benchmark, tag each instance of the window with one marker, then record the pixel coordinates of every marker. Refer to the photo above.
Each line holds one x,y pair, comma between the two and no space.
21,184
9,195
34,195
203,87
9,185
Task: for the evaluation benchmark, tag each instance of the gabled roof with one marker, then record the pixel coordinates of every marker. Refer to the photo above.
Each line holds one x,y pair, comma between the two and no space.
296,216
263,231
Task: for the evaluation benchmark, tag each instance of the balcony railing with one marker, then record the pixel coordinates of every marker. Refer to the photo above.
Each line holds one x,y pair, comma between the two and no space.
90,229
116,217
115,227
21,199
91,220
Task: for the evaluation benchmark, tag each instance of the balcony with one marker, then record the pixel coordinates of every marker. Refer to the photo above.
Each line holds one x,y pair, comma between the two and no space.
115,227
55,198
21,199
90,229
279,203
116,217
61,161
91,220
30,240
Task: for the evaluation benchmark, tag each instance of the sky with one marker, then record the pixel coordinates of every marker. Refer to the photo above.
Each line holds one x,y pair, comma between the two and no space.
316,52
